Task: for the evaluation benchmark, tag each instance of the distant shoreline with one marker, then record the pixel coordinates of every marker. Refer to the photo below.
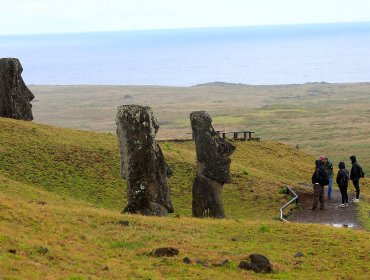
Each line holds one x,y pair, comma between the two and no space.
209,84
200,29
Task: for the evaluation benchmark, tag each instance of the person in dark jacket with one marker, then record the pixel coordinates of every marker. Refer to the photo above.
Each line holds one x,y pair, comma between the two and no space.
356,174
318,185
328,166
342,181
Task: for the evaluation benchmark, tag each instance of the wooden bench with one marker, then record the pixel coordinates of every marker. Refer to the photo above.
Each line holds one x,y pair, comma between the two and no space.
247,135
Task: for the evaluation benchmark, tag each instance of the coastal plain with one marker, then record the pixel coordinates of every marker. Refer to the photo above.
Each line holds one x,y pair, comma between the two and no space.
320,118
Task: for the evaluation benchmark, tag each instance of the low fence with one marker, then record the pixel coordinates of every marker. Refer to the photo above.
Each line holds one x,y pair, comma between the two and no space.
295,198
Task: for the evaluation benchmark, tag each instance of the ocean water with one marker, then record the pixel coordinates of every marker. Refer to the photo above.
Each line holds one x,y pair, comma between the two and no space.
250,55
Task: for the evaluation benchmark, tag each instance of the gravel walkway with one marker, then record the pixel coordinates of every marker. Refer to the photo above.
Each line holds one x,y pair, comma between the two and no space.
331,215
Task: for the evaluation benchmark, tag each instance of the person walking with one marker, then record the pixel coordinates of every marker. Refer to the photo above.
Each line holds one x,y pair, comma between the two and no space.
356,174
342,181
328,166
319,179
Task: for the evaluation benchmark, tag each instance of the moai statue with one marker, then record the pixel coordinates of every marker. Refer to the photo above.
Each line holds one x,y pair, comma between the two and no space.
15,97
213,167
142,162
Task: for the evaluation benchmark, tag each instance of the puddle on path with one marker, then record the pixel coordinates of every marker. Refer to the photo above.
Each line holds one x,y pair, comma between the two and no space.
342,225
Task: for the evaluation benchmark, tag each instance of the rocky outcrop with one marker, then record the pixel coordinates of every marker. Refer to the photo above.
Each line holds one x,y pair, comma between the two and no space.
142,162
213,167
258,263
166,252
15,97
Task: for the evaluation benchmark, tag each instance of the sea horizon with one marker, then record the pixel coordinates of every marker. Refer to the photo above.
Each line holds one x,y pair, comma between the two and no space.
252,55
328,24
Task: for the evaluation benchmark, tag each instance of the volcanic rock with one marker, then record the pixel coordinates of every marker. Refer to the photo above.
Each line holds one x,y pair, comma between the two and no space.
213,167
142,162
15,97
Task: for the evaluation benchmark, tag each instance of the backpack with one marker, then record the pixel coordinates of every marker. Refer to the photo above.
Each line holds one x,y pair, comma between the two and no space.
344,178
362,173
324,177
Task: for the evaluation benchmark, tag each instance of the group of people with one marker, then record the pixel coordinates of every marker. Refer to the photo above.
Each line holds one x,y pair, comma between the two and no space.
323,176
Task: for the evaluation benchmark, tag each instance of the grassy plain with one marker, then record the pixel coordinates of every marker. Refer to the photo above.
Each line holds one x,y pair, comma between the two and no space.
330,119
61,197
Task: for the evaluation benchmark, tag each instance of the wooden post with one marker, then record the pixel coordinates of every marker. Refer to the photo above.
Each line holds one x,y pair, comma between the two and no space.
245,135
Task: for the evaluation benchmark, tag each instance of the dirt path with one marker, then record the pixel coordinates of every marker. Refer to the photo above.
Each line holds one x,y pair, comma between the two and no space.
331,215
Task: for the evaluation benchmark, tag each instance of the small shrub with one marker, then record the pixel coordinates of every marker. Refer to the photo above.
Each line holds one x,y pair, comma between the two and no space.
264,228
245,171
283,190
76,277
168,146
42,250
3,238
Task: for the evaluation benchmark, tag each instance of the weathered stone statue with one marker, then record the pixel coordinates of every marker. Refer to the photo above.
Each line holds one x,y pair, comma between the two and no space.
15,97
142,162
213,167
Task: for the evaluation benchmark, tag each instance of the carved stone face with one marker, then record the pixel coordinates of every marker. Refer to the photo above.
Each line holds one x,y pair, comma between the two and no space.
15,97
212,151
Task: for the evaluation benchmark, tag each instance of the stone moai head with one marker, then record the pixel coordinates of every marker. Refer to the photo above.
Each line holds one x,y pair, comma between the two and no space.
136,130
142,162
15,97
212,151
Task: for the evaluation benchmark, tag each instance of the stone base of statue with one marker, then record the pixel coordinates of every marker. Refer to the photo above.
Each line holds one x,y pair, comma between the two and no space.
206,200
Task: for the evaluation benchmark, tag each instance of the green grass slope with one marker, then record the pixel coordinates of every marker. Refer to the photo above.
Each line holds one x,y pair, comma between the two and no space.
60,189
79,164
85,242
85,165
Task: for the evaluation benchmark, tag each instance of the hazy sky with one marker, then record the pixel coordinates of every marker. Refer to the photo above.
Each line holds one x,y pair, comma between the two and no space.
51,16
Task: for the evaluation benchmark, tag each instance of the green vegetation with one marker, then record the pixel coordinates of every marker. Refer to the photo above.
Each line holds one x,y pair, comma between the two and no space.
61,197
85,166
75,163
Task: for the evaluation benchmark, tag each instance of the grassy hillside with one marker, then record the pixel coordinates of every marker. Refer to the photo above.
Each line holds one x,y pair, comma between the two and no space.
61,196
84,242
85,166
